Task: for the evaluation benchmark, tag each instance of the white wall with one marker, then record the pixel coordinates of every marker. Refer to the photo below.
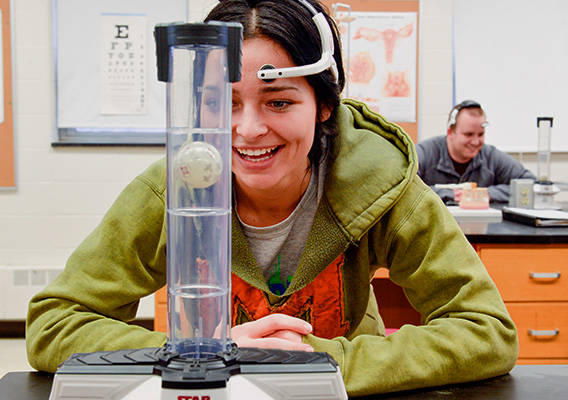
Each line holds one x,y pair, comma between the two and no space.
435,94
63,192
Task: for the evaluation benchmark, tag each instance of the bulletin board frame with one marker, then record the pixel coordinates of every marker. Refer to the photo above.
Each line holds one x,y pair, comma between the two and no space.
392,6
7,141
83,64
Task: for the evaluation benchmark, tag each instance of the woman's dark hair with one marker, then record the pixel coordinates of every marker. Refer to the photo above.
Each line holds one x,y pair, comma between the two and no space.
290,25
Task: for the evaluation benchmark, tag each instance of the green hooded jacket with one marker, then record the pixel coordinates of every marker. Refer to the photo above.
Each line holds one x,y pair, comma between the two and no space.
376,213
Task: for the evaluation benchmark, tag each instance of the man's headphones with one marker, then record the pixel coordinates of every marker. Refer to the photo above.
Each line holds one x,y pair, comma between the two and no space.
458,108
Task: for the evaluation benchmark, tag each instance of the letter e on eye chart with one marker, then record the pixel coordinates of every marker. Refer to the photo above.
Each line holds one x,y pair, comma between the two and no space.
123,64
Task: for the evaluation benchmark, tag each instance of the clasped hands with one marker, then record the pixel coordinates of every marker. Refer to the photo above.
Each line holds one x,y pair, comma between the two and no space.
275,331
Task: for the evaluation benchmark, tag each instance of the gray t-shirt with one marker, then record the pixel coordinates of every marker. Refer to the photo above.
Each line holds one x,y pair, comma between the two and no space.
278,248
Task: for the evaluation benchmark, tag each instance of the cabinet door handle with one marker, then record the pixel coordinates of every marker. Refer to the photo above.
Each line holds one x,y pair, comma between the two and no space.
544,275
552,332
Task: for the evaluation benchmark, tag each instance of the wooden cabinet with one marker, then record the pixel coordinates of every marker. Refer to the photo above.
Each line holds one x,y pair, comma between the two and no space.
533,281
394,307
161,310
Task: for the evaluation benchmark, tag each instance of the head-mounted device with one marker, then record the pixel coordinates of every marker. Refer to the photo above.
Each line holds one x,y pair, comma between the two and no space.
464,104
268,72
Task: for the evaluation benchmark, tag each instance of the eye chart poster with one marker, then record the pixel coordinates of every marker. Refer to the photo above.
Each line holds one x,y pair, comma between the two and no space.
381,62
123,64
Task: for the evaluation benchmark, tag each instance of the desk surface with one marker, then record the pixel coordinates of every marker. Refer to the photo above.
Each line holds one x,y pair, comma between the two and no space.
503,232
491,230
525,382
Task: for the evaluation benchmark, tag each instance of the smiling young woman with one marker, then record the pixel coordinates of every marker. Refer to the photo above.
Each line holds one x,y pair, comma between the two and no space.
273,132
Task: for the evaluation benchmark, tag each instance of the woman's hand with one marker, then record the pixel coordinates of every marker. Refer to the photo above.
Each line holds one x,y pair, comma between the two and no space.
275,331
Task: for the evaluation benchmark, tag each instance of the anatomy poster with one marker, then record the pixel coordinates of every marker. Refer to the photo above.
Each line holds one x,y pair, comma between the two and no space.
381,60
123,64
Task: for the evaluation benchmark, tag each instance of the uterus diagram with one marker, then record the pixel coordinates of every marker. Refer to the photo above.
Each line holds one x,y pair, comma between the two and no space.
388,36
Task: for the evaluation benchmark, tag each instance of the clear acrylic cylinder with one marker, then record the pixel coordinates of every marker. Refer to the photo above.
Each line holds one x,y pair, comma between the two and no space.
198,146
544,125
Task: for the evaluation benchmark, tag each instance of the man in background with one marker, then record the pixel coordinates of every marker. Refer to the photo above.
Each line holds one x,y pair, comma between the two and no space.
461,156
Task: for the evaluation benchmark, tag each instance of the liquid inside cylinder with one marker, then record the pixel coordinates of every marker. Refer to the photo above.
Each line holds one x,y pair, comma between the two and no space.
199,289
198,244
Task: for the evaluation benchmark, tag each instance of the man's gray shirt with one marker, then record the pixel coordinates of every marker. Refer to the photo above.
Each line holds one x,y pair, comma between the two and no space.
490,168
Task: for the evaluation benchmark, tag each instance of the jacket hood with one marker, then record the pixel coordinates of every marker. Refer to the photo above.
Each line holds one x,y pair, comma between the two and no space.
374,165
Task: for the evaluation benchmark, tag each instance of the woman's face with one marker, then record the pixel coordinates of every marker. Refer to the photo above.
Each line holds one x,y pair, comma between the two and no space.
273,123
